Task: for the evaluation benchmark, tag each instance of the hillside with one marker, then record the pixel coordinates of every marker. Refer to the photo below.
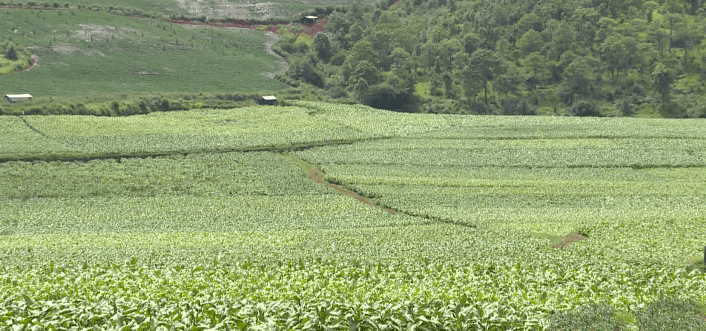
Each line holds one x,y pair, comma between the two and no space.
235,219
550,57
79,55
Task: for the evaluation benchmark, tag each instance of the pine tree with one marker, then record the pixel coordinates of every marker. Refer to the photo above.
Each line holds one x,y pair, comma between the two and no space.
11,53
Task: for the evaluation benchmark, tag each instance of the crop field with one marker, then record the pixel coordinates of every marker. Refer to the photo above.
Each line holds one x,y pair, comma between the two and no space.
239,9
215,220
80,54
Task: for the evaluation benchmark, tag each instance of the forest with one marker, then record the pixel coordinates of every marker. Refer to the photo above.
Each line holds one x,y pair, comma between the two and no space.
526,57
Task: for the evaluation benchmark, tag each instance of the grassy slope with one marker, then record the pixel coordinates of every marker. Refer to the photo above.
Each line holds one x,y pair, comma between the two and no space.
132,56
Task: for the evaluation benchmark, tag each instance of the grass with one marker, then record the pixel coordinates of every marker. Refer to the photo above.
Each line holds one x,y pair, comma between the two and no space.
83,54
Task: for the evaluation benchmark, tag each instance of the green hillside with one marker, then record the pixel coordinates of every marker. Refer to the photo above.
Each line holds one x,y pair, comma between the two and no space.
550,57
219,219
82,54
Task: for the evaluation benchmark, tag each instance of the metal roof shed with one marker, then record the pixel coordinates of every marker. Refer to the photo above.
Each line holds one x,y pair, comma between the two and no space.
267,100
17,97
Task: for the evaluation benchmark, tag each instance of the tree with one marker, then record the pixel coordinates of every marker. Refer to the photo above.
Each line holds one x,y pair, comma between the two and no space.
584,107
672,20
484,65
658,35
361,89
10,52
563,36
448,48
613,53
388,96
530,42
538,69
662,80
529,21
402,66
646,55
687,36
471,42
322,47
362,51
364,70
355,34
380,41
586,23
510,81
578,76
304,69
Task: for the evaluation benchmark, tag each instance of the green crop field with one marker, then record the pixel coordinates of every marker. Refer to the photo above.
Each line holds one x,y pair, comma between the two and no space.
239,9
215,220
82,54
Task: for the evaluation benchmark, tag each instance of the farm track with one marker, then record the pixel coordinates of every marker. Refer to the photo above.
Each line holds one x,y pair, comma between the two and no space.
314,173
33,128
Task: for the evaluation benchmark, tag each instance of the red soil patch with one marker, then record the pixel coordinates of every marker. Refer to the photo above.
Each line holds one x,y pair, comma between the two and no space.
570,239
311,29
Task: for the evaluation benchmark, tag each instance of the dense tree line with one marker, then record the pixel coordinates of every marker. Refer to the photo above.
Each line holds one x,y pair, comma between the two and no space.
572,57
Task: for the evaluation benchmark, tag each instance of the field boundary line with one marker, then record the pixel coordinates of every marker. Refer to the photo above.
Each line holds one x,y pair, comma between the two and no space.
33,128
420,137
120,156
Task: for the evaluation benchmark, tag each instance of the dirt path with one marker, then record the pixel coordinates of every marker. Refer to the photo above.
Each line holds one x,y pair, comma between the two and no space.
318,177
268,48
570,239
315,174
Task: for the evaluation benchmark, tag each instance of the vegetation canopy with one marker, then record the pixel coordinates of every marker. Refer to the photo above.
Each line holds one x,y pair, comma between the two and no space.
630,58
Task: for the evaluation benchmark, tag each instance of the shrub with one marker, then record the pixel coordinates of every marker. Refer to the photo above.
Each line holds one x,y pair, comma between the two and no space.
594,317
11,52
668,314
584,108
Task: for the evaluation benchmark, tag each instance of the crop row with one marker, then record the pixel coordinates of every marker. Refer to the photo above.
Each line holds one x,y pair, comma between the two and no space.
173,132
533,153
311,122
224,174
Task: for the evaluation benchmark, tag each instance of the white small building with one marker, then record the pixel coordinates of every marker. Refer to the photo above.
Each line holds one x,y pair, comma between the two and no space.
18,97
311,19
267,100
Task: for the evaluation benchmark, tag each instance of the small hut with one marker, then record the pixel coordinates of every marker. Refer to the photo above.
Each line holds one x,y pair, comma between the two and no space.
267,100
17,97
310,19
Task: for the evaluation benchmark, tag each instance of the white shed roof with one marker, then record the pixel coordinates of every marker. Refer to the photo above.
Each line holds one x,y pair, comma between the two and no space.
18,96
311,17
269,97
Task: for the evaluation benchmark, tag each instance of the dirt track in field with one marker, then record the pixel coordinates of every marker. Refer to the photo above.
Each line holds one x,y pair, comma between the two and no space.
570,239
318,177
